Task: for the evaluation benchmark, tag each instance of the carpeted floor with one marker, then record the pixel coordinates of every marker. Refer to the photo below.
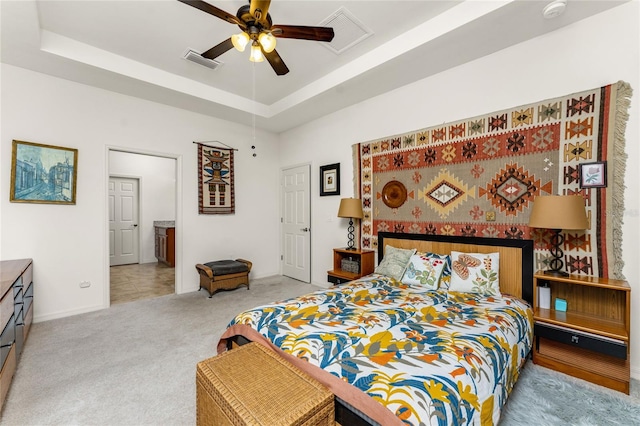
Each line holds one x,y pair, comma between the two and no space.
134,364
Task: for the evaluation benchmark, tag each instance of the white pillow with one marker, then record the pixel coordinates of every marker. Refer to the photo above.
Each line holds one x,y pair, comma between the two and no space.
475,273
424,270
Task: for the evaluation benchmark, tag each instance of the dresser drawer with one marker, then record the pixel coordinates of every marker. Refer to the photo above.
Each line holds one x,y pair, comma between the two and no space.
8,368
27,275
28,319
28,298
592,342
18,299
337,280
6,309
17,285
7,338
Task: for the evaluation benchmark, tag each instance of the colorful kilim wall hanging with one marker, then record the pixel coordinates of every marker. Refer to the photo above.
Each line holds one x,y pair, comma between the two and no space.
216,190
478,177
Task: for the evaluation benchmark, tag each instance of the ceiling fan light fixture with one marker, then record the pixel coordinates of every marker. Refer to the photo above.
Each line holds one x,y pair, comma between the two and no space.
256,53
267,41
240,41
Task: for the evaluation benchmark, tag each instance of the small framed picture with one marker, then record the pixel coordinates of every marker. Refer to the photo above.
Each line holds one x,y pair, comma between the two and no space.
330,179
593,175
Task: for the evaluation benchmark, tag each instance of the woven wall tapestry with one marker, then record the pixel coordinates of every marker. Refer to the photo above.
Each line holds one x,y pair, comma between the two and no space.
479,176
216,190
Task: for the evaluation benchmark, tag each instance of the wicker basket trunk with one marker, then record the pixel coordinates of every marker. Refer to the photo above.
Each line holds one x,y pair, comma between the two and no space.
251,385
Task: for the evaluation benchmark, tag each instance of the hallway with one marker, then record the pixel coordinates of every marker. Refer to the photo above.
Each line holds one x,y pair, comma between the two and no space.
141,281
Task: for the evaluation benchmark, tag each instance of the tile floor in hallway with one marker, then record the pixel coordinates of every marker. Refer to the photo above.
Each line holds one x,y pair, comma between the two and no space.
141,281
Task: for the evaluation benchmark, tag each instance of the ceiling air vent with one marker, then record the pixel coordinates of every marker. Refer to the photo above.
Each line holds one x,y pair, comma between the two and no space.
193,56
348,30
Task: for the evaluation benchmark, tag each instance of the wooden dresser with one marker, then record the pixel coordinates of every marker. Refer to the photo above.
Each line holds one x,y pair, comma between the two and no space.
16,315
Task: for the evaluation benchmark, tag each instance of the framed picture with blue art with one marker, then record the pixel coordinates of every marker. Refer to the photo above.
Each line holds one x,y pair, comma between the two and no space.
43,173
593,175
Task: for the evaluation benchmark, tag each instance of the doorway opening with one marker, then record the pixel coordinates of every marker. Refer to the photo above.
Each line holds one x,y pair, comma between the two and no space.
142,204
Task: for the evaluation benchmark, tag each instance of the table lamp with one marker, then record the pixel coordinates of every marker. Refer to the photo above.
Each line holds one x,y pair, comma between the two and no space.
558,212
351,208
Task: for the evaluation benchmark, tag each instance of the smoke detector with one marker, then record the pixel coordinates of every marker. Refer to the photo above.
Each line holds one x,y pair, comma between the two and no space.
554,9
193,56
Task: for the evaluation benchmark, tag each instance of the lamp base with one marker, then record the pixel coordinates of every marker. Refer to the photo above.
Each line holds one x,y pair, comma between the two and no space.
556,273
351,248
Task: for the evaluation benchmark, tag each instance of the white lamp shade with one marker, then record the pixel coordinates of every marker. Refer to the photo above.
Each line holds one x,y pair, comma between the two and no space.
240,41
256,53
267,41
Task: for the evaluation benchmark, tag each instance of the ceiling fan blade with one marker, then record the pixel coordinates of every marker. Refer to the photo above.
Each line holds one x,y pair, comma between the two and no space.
212,10
302,32
276,62
218,50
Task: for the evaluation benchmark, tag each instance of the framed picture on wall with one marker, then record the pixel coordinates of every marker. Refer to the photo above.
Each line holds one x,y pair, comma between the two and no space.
330,179
593,175
43,173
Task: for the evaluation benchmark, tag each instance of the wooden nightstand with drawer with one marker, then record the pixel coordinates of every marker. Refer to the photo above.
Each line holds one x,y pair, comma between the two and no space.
349,265
591,339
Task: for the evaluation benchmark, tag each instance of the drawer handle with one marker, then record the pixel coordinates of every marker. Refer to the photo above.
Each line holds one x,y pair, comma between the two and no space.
574,339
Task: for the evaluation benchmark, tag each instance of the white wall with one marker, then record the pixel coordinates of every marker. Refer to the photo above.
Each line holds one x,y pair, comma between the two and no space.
69,243
592,53
157,176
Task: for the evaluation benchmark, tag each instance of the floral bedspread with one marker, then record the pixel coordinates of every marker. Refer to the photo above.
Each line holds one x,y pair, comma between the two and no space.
430,357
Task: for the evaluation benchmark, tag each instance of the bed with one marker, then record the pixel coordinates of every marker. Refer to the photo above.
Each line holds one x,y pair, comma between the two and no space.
398,350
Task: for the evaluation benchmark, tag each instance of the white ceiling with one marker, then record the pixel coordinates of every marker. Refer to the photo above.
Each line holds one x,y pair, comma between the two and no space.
137,48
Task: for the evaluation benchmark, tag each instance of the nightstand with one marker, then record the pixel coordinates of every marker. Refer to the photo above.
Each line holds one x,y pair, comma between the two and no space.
591,340
358,263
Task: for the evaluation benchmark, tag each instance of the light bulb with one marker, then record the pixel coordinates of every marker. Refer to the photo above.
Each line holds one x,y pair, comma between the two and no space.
256,54
240,41
268,42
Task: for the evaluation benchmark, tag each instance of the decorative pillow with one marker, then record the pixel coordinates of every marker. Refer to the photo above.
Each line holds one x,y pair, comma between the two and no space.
394,262
424,270
475,273
445,276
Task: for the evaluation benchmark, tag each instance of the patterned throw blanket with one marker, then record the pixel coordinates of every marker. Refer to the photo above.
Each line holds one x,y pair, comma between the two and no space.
429,357
478,177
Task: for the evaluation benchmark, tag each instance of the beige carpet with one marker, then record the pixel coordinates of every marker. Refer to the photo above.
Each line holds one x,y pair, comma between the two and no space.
134,364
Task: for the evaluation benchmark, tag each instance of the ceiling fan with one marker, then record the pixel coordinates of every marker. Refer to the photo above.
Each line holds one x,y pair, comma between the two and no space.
257,28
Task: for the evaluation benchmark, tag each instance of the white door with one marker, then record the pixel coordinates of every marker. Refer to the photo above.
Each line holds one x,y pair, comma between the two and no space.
296,223
123,221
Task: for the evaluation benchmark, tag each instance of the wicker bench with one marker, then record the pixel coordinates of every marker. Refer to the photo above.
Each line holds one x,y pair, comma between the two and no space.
251,385
224,275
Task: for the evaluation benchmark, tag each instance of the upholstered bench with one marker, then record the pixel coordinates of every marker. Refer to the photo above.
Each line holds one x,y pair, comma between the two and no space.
224,275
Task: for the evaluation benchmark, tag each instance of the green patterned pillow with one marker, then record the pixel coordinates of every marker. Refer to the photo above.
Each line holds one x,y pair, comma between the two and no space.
395,262
424,270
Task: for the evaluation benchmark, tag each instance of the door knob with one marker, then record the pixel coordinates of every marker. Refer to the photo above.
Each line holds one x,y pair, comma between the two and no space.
305,229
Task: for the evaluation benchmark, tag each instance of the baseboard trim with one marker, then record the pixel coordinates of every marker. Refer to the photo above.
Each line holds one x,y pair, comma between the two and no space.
64,314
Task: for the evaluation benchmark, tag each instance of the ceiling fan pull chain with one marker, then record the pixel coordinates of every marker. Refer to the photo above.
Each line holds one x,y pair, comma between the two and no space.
253,116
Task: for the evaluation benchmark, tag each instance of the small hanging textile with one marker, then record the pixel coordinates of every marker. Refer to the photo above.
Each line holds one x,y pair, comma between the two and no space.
216,191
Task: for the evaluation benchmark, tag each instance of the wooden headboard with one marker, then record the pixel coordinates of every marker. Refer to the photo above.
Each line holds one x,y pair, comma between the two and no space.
516,256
